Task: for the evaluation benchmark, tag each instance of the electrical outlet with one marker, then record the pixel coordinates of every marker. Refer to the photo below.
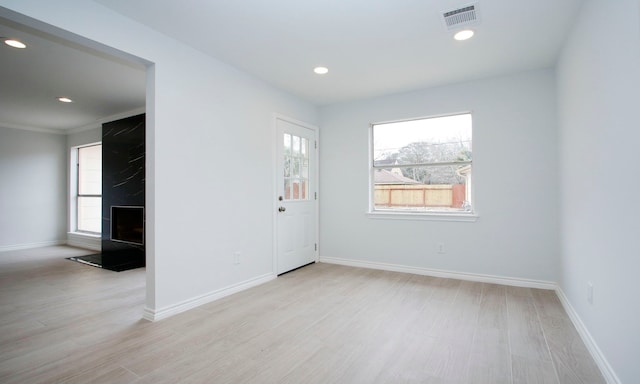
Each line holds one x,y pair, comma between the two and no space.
236,257
441,248
590,292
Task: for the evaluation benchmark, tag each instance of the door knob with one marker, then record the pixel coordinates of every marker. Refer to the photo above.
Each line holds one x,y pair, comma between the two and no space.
282,209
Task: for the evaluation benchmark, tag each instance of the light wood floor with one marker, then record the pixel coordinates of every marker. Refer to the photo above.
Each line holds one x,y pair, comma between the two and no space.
61,321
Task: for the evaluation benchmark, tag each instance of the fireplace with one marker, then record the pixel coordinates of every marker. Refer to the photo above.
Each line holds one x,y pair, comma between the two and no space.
123,190
127,224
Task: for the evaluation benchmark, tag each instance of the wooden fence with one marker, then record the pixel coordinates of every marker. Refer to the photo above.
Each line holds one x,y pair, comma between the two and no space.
419,195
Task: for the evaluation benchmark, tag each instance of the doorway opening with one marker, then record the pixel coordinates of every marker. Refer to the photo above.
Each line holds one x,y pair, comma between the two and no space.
90,71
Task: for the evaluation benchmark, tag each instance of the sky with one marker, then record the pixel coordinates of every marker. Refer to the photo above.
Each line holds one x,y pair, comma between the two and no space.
390,137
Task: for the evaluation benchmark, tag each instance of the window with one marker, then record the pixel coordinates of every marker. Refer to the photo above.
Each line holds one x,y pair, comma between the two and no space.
89,189
422,166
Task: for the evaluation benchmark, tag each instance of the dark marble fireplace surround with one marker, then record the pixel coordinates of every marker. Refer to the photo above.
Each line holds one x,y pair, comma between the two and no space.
123,184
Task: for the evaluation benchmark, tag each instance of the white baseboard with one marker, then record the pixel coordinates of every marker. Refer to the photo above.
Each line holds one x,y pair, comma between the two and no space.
155,315
605,368
82,240
513,281
17,247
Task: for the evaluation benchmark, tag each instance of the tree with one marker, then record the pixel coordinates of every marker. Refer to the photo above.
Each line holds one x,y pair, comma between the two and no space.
451,150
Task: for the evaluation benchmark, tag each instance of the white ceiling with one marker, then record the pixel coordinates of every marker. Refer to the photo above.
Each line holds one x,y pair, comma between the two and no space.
372,48
101,85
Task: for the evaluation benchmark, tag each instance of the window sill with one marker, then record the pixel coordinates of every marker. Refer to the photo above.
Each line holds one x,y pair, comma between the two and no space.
85,234
463,217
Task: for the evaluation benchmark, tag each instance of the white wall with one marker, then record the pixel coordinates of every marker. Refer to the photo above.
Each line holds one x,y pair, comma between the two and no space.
598,83
33,177
514,170
84,137
209,156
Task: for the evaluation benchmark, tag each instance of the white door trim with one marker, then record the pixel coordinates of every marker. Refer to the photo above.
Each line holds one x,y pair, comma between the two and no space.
315,182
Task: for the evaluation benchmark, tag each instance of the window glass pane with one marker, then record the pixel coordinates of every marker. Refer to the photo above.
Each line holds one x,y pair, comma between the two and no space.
423,189
432,140
90,214
90,170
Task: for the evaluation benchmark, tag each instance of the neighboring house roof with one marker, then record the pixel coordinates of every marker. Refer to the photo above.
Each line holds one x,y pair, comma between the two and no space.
383,176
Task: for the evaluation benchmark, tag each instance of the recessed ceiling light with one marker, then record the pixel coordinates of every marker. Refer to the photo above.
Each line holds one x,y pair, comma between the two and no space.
463,35
321,70
15,43
65,100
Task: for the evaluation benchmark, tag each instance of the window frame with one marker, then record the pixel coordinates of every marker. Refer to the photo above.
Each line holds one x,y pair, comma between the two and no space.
434,215
76,195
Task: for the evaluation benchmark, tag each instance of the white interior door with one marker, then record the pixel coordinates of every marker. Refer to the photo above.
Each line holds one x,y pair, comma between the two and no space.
296,195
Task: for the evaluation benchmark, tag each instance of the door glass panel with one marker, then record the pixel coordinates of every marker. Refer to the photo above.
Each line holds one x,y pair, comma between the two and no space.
287,189
296,167
287,166
287,143
305,189
296,145
295,163
296,190
287,155
305,168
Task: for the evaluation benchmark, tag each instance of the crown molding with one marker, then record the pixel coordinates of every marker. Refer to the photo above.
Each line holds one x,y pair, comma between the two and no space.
33,129
96,124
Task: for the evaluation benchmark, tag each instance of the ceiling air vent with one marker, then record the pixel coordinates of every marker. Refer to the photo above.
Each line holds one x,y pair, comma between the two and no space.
461,17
